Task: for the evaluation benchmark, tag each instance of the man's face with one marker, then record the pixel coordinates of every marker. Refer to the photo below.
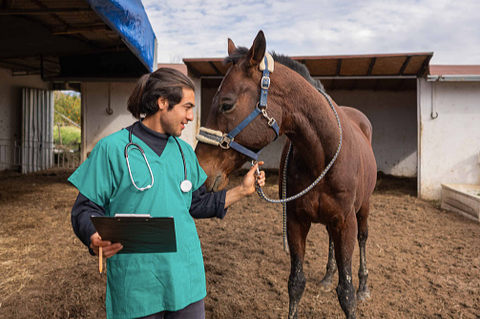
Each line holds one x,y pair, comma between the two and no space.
173,121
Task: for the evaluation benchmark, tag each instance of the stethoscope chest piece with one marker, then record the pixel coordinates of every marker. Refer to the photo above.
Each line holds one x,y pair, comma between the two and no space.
186,186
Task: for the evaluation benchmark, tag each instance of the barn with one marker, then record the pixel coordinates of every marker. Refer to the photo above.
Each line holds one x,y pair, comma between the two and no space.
424,116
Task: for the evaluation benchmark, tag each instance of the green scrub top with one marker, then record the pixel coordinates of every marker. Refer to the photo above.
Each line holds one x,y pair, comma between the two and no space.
142,284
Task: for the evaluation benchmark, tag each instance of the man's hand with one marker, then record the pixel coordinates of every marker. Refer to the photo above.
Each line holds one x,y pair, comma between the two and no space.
108,249
247,187
248,184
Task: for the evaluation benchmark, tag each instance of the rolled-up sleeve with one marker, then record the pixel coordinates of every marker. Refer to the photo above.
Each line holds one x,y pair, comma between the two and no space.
208,205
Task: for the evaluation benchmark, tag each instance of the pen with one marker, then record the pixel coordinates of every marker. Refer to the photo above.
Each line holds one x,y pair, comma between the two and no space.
100,261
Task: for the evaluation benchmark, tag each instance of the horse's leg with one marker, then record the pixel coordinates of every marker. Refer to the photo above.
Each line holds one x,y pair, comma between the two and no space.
363,293
326,282
297,234
343,234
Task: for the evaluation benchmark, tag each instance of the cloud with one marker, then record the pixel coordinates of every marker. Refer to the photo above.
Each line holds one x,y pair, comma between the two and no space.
196,29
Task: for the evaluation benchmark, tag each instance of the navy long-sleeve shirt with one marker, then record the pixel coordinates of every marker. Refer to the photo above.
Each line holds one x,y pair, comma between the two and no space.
204,205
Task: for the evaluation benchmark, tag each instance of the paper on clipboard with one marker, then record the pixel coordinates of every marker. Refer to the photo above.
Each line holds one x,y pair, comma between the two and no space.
138,234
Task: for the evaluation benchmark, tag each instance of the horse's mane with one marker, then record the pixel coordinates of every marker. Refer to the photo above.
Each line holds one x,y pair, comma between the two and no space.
298,67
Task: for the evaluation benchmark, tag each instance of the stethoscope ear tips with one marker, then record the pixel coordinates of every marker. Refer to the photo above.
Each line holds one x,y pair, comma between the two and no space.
186,186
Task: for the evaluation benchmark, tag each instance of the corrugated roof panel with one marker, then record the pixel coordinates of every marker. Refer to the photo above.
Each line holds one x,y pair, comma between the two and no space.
201,67
414,65
353,67
388,65
455,69
407,64
324,67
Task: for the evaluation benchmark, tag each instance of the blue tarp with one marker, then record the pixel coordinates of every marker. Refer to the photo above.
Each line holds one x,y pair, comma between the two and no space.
129,19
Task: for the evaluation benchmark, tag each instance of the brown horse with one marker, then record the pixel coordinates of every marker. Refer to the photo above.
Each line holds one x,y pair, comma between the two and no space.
340,200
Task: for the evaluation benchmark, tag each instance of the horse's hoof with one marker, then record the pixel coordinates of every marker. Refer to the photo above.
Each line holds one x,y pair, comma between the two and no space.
325,286
363,296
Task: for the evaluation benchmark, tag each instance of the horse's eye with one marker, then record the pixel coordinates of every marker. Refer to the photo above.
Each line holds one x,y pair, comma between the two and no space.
226,107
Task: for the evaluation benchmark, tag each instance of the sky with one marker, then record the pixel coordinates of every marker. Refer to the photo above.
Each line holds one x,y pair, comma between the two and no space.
200,29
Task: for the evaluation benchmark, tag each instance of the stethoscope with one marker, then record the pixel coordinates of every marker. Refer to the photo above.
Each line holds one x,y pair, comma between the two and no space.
185,185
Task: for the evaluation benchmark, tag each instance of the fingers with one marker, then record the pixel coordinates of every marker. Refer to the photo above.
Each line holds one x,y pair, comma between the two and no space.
108,249
261,179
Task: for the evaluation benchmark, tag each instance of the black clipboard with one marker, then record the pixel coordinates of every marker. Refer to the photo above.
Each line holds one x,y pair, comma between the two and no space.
138,234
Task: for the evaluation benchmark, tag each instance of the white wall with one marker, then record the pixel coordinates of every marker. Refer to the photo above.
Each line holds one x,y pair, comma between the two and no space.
393,115
96,122
11,111
450,144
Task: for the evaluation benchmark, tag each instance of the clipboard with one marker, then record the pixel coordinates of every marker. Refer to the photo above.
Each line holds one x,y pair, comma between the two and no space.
138,234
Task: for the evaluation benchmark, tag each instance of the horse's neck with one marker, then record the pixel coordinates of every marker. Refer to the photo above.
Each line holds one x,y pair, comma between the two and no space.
308,120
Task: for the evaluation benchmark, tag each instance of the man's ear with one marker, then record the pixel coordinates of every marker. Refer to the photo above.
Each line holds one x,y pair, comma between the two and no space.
162,103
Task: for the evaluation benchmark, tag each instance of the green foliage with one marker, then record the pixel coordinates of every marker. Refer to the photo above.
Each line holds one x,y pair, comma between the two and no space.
67,104
71,135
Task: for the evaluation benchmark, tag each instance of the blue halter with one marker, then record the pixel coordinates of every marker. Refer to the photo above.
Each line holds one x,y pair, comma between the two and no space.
227,140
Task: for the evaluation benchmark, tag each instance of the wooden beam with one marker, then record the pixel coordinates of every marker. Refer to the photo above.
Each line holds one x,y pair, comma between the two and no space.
11,12
424,67
404,66
372,64
83,29
215,68
339,67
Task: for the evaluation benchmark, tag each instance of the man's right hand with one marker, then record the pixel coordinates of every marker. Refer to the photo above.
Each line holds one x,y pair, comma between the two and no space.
108,249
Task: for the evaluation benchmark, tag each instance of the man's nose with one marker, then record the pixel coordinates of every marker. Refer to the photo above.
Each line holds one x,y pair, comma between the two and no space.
190,115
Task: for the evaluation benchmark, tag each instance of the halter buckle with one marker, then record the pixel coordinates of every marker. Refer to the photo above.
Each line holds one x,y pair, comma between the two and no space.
225,143
271,121
265,83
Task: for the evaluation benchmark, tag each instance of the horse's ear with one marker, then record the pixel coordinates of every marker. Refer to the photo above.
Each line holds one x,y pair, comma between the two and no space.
231,46
257,51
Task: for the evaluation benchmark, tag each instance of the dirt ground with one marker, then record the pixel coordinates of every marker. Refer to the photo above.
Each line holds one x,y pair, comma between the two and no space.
423,262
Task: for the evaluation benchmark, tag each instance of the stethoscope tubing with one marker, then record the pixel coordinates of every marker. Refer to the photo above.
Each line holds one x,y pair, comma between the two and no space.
185,185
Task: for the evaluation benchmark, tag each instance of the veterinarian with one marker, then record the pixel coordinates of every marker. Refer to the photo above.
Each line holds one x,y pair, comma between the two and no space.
166,181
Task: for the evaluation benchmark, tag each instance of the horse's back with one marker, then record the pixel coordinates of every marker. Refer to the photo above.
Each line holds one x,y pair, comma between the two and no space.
360,121
363,128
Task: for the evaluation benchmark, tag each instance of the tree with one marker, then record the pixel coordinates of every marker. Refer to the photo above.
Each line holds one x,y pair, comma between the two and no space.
67,104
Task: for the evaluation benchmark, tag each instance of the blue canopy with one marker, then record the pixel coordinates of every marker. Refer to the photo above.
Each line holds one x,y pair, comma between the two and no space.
129,19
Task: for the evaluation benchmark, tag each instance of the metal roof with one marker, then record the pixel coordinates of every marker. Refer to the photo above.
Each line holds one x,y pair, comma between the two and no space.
401,65
455,70
76,39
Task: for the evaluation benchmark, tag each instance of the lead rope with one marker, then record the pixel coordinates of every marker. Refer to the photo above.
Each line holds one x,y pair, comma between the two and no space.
285,200
284,205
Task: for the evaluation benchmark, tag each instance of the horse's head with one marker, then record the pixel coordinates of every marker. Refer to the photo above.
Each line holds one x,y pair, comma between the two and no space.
236,98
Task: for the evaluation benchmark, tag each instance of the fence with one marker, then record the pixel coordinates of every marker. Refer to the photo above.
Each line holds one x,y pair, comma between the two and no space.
30,156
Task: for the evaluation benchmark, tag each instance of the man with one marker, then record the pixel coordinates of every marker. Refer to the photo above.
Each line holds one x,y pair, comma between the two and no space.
161,285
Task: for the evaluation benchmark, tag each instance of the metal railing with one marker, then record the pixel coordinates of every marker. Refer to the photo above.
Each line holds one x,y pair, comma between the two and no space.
30,156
